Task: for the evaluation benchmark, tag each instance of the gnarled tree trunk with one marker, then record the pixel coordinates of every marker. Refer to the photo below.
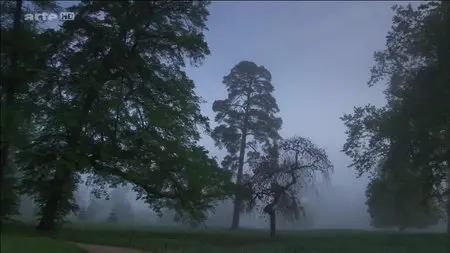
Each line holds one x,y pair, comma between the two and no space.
270,210
273,227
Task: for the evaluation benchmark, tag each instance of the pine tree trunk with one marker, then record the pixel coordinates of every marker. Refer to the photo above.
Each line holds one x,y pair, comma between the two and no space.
240,173
236,211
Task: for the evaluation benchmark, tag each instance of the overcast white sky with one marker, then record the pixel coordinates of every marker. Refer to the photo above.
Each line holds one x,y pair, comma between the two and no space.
319,54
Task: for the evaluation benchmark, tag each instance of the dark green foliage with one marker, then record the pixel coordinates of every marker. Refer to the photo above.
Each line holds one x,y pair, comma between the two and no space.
21,56
9,72
397,202
111,99
411,131
10,200
246,119
249,101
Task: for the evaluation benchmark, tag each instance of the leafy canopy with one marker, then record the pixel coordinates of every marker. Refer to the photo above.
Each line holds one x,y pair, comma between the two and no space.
113,100
412,129
395,201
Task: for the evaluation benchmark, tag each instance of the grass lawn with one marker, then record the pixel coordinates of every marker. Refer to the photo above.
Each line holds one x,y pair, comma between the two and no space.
26,244
248,241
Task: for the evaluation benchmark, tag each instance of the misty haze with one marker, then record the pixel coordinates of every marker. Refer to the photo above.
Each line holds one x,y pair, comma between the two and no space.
269,126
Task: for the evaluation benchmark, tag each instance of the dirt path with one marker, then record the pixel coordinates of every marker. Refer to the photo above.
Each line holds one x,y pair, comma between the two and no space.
107,249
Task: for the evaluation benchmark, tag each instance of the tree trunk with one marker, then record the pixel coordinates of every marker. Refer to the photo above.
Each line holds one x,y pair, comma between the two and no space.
10,88
53,203
240,174
272,223
448,197
49,214
448,215
63,175
236,211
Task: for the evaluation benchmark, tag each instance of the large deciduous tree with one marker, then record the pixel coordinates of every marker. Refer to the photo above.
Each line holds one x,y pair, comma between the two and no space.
281,176
116,103
246,118
413,128
21,57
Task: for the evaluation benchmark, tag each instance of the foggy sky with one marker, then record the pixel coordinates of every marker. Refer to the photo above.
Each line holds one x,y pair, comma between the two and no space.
319,55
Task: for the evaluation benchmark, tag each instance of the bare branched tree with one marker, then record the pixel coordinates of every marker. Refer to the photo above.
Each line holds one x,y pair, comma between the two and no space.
281,175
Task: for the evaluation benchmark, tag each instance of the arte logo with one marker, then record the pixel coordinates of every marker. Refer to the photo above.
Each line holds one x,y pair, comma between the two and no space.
44,16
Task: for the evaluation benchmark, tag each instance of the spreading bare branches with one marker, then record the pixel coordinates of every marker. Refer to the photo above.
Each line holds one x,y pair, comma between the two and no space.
281,175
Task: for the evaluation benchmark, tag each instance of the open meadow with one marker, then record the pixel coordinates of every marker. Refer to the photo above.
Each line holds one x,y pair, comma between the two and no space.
20,238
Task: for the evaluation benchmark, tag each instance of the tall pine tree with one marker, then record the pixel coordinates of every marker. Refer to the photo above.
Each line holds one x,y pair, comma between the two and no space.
247,118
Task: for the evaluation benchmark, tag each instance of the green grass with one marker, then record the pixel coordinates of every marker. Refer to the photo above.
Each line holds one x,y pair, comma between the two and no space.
249,241
25,244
